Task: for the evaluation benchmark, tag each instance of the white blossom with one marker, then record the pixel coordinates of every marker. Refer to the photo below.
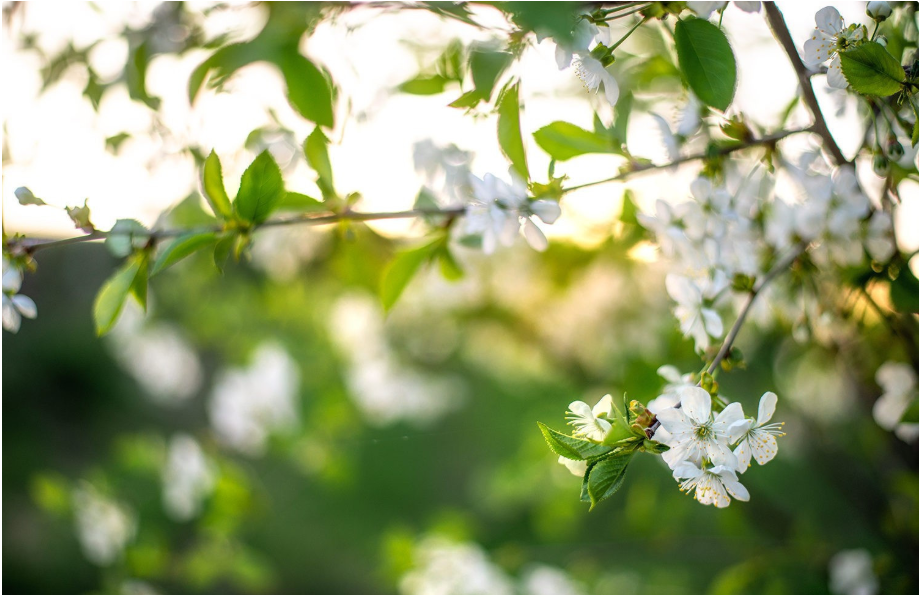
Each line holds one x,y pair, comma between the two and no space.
188,478
710,485
900,388
705,9
758,437
591,422
879,11
696,318
878,239
671,393
15,305
442,567
693,433
104,527
546,580
498,210
594,76
577,468
247,405
851,573
829,37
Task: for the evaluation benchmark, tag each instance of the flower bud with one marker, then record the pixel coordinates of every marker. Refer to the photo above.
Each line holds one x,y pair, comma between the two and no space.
879,11
880,165
894,149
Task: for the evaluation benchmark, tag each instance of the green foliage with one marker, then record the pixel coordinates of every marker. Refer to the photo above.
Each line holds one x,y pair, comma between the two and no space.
261,189
181,247
706,61
126,236
25,197
112,295
213,187
308,89
81,217
424,85
606,476
402,269
562,141
510,130
486,65
555,19
871,70
318,158
577,449
295,201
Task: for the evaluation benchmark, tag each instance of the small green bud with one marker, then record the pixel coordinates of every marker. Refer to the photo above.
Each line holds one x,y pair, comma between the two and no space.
894,149
880,164
709,384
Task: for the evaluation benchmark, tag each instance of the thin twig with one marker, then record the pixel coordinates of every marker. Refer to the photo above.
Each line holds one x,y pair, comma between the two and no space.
637,168
782,33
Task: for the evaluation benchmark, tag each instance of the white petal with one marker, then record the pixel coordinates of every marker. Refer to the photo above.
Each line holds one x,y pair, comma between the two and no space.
25,305
818,49
728,416
535,237
682,290
669,373
547,210
611,88
835,76
829,20
686,470
712,322
677,455
11,317
737,429
581,409
700,189
748,6
575,467
763,445
604,407
563,57
766,408
696,403
675,421
743,455
12,279
663,402
738,491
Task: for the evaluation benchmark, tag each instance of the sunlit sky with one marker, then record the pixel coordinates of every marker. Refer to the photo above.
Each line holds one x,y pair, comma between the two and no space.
56,141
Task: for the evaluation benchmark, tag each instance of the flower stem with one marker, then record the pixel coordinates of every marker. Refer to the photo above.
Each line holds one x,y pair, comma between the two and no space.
628,34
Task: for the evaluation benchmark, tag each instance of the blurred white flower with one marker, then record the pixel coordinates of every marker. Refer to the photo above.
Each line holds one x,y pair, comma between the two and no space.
583,35
104,527
694,434
591,422
829,37
758,437
498,210
850,572
900,388
696,318
442,567
247,405
577,468
705,9
188,478
878,240
447,166
710,485
15,305
594,75
136,587
671,393
546,580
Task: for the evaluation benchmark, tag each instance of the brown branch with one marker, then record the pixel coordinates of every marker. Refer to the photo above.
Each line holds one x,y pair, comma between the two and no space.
782,33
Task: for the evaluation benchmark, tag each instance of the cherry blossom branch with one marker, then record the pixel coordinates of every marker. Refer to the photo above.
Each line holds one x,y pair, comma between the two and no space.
31,245
781,266
636,168
782,33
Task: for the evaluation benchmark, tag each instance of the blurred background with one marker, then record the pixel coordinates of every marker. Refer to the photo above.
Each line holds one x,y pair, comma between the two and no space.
271,430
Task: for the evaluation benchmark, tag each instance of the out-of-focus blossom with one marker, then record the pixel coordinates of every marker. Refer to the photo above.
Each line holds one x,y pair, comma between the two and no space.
900,388
546,580
696,318
104,527
248,405
850,572
498,210
188,478
705,9
15,305
671,393
442,567
577,468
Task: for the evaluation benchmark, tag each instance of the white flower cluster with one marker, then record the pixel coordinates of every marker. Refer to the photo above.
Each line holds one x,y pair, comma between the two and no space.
445,169
900,389
104,527
247,405
15,305
497,211
444,567
700,440
850,572
830,37
188,478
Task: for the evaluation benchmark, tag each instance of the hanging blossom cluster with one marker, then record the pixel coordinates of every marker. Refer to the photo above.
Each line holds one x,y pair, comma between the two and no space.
707,447
588,53
15,305
718,239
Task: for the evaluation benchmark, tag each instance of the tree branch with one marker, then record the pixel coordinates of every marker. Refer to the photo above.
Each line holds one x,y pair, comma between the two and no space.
782,33
636,168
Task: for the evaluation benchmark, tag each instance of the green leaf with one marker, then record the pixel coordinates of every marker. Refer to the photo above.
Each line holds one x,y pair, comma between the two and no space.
911,414
903,291
607,476
112,295
136,76
139,285
125,237
308,90
468,100
914,133
261,189
424,85
295,201
486,65
577,449
450,268
212,184
510,130
706,60
562,141
81,217
115,141
25,197
871,70
401,270
622,117
318,158
222,251
180,248
225,61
